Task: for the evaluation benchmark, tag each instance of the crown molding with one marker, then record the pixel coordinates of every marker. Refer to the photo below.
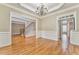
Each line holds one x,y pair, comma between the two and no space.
21,10
50,10
57,7
60,11
26,6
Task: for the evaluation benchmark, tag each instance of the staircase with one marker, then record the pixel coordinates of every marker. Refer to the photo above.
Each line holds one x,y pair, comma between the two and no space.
29,29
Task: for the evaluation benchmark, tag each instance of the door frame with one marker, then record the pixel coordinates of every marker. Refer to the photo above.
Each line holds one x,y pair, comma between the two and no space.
23,17
66,14
11,16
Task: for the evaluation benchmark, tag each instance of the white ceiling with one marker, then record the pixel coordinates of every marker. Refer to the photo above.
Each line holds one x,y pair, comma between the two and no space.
51,6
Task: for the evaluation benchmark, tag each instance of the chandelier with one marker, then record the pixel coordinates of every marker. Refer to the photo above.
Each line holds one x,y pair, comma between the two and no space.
41,9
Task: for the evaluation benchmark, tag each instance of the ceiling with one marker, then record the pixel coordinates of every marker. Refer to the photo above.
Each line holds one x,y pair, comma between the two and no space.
52,7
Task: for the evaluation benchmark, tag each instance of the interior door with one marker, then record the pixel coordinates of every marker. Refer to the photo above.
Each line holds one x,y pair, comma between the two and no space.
66,25
64,34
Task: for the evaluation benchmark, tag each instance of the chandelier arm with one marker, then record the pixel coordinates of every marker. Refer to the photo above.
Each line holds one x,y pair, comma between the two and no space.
41,10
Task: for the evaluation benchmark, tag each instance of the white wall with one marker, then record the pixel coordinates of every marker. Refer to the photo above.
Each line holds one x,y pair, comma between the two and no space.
30,30
5,39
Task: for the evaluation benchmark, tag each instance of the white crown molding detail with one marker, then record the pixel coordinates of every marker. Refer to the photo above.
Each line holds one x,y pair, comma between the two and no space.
33,10
19,17
41,16
57,7
21,10
26,6
67,9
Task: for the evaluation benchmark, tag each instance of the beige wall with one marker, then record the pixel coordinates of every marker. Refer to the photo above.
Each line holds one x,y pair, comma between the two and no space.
4,19
49,23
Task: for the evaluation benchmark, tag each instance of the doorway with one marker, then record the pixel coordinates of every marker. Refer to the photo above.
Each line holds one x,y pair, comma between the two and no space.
65,26
17,31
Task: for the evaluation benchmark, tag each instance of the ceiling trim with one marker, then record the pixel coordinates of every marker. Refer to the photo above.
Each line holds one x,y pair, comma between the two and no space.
57,7
50,10
67,9
21,10
27,7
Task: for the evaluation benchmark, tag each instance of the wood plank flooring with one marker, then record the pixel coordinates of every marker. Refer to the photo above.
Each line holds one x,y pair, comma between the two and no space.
32,46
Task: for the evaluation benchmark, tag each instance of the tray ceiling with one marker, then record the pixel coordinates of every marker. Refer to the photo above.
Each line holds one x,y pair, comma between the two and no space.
51,6
30,8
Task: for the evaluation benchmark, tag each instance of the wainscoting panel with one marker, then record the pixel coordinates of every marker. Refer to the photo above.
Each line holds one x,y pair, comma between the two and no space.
5,39
30,33
47,34
74,38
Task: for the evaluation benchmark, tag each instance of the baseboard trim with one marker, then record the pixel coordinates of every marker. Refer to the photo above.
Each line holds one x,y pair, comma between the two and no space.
48,39
29,35
15,33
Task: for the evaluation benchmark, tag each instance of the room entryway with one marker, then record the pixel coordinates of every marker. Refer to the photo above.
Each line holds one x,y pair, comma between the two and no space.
65,25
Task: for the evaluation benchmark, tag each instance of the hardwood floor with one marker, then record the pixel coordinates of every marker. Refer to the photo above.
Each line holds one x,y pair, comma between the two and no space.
33,46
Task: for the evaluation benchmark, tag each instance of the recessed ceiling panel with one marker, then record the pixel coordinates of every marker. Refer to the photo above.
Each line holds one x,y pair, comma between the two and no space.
33,6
